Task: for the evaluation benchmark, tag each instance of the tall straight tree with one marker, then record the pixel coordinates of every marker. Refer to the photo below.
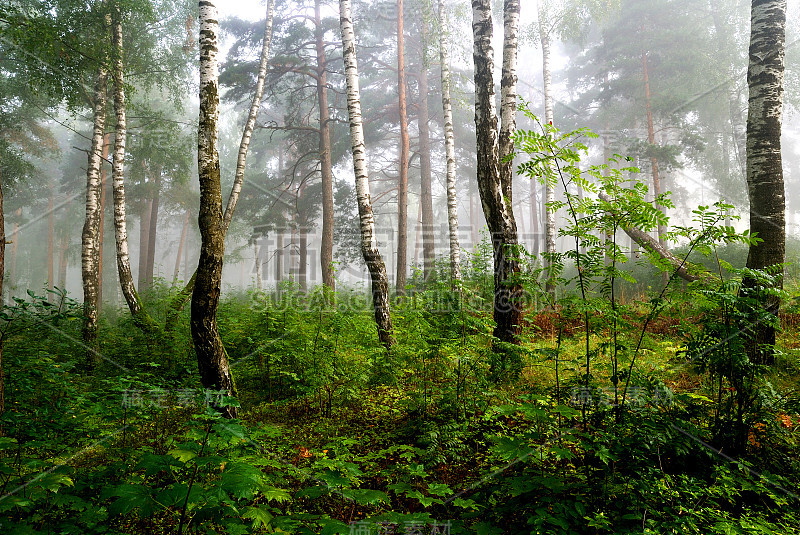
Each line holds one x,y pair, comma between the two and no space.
402,178
449,146
496,205
325,150
425,173
212,359
140,315
369,245
765,76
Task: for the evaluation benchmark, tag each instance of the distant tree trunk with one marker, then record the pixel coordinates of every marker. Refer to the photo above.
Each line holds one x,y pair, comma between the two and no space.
426,196
449,147
325,156
651,140
144,241
534,213
212,359
89,236
101,230
257,264
496,205
369,245
549,191
402,181
152,228
181,245
302,272
765,77
140,316
2,276
51,230
278,256
62,261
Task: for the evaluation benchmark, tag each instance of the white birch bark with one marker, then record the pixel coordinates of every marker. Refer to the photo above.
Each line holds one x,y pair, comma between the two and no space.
89,236
765,79
369,245
496,207
449,146
508,94
247,134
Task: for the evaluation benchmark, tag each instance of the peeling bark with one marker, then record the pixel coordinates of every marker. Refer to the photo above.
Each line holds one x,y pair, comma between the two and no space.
496,206
212,358
89,236
765,78
369,245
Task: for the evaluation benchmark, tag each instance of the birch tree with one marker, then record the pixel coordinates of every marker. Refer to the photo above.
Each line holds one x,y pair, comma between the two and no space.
212,359
179,301
91,225
369,245
140,315
449,145
765,77
496,205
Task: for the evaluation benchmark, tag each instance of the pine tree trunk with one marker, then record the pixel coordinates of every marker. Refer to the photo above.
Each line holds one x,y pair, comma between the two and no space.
325,156
62,261
212,359
369,245
549,190
152,228
765,78
449,147
426,195
140,316
144,242
181,245
89,236
402,181
278,256
496,205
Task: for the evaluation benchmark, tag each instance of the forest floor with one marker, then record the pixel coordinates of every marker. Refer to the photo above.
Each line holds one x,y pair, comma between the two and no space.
336,436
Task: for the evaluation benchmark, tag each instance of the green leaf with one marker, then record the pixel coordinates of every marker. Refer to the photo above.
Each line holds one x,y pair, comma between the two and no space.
259,516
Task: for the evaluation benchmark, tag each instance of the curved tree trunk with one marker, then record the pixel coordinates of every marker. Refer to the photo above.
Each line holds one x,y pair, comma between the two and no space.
369,245
212,359
764,163
89,236
496,206
179,301
402,181
449,148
